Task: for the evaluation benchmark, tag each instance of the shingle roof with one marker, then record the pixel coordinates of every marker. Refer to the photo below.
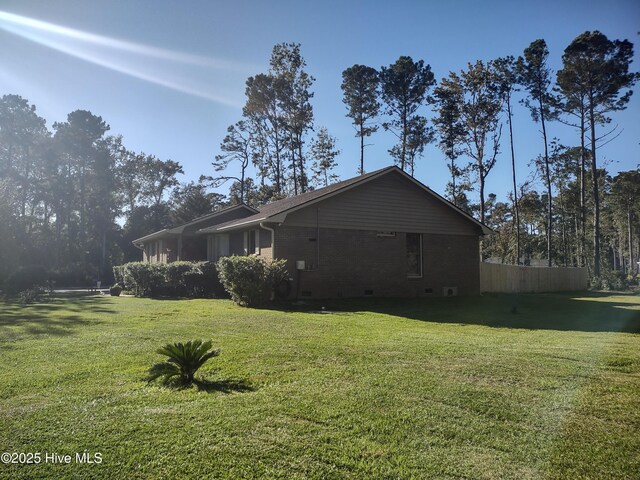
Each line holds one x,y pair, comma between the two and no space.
267,212
281,206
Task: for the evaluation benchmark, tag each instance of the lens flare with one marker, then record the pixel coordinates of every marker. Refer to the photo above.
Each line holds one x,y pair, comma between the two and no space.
125,57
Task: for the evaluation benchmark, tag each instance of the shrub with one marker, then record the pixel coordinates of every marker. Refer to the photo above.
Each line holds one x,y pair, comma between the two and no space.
203,281
115,290
175,283
118,275
184,361
26,278
31,295
610,280
251,280
177,279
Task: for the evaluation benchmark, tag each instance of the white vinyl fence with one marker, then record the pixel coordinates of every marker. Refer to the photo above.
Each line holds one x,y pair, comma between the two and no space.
518,279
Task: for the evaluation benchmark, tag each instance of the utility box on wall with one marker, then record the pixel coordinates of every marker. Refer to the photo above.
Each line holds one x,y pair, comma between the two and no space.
449,291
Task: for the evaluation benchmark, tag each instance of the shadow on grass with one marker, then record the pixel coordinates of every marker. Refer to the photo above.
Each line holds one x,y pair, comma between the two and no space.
572,311
229,385
57,315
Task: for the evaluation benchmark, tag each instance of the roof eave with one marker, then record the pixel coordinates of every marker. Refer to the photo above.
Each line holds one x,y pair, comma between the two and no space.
152,236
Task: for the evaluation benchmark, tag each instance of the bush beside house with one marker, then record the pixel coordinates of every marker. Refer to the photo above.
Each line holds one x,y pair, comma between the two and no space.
177,279
251,281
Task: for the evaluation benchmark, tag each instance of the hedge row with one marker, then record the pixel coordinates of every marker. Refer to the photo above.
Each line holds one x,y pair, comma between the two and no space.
177,279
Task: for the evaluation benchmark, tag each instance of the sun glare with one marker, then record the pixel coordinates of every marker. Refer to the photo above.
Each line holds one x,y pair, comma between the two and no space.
151,64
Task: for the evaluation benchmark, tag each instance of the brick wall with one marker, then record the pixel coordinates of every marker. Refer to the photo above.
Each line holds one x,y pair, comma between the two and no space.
355,263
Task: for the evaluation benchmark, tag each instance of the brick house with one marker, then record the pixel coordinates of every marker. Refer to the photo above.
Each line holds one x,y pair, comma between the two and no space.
379,234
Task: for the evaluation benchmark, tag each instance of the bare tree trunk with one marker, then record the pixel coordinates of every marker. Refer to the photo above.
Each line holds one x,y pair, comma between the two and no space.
583,205
404,139
515,187
596,193
548,180
361,172
630,235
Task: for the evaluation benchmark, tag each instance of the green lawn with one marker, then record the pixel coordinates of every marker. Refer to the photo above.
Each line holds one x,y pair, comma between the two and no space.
522,387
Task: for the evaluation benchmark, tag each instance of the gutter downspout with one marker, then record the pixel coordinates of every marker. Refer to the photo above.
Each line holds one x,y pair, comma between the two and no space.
273,239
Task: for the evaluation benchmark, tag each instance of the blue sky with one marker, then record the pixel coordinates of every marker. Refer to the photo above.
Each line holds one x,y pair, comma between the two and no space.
169,75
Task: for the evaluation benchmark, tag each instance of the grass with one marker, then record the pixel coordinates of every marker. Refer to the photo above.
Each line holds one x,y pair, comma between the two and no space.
497,387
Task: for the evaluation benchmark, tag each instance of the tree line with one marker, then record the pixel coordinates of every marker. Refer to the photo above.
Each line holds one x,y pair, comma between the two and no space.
73,198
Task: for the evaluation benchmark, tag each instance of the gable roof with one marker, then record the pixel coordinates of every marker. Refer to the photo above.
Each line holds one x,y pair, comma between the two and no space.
278,210
179,229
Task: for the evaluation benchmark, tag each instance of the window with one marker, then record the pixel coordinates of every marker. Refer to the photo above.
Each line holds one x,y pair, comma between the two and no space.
251,239
218,246
414,255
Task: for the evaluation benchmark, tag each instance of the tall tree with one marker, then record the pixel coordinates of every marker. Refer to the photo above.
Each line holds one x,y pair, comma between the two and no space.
24,139
360,95
192,200
625,194
236,147
573,102
132,171
263,111
279,114
288,67
507,79
324,152
480,119
599,68
404,86
80,141
448,102
535,75
161,177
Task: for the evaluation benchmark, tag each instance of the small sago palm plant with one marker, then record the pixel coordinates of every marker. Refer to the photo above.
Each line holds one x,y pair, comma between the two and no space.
184,361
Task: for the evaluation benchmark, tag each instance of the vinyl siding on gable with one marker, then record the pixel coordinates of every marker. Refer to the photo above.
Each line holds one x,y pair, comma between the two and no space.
388,203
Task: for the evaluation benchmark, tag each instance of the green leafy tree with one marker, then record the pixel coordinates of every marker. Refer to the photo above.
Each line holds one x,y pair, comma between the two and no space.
360,95
535,76
279,114
192,200
448,103
625,199
251,193
479,118
596,69
25,173
236,147
161,177
324,153
143,220
263,111
288,67
85,171
507,79
404,87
